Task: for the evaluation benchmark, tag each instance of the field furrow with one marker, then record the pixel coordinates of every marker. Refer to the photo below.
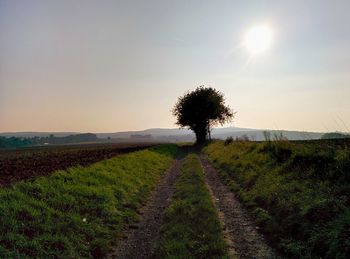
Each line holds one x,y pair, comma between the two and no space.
28,163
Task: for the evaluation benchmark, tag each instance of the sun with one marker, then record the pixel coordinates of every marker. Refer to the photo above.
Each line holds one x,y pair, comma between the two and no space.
258,39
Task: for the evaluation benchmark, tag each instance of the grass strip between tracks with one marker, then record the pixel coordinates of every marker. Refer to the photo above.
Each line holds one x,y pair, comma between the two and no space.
192,228
79,212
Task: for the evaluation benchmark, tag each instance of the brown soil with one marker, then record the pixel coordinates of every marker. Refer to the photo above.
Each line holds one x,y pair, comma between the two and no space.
240,231
142,239
27,163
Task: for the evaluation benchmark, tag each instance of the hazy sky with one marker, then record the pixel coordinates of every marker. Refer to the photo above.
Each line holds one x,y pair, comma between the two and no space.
103,66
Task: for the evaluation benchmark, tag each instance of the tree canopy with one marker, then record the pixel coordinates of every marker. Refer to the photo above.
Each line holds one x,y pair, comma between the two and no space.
202,109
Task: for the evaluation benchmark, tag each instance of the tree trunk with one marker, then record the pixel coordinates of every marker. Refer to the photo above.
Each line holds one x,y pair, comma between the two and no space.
201,134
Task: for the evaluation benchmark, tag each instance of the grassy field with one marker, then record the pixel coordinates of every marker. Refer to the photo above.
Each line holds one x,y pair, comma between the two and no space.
79,212
299,192
26,163
192,228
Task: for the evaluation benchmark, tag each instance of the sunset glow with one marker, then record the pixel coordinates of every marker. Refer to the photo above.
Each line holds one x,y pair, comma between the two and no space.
105,66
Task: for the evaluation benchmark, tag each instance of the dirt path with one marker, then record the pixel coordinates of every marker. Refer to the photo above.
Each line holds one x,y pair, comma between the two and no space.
243,239
142,240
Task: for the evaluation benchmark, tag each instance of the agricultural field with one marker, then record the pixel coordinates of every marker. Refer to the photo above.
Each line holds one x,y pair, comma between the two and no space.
26,163
233,199
298,192
79,212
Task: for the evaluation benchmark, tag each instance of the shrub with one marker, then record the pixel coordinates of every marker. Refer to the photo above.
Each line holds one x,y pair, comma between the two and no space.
228,141
281,151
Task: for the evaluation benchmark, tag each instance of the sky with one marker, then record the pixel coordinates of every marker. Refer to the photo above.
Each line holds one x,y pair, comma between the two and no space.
105,66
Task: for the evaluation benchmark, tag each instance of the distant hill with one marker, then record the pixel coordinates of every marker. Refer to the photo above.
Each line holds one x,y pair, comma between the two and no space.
258,135
177,135
168,132
30,134
16,142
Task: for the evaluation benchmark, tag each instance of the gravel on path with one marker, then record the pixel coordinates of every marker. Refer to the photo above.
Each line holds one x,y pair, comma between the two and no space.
240,231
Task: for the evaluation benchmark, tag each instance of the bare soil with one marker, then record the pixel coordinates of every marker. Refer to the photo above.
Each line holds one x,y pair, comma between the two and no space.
28,163
239,230
142,239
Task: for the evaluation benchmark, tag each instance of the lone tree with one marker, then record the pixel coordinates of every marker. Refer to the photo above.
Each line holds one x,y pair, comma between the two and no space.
200,110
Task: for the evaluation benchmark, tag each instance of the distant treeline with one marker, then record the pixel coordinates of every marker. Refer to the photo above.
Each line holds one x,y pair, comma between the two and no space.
335,135
14,142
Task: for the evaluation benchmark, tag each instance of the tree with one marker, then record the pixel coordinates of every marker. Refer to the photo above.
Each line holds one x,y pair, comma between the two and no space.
200,110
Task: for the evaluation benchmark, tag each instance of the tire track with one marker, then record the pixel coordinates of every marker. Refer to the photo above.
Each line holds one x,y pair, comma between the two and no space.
243,237
142,241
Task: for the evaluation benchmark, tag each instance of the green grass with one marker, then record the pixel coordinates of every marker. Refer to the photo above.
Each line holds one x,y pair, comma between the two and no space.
192,228
79,212
299,192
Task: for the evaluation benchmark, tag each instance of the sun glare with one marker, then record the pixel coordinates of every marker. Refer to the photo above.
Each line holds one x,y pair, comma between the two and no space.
258,39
